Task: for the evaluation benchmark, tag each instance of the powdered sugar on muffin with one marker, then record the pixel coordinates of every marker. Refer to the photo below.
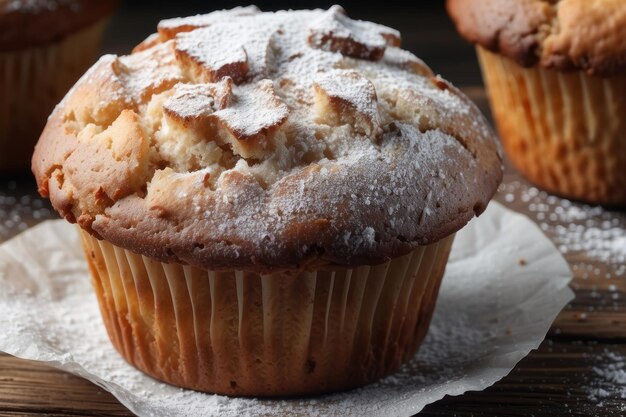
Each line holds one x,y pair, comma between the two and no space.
272,139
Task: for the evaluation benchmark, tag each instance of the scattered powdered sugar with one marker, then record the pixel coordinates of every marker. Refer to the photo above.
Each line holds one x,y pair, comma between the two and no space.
19,209
480,330
609,378
594,240
596,232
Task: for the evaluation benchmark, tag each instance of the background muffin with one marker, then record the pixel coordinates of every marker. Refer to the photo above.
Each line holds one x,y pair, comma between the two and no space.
267,200
556,77
45,45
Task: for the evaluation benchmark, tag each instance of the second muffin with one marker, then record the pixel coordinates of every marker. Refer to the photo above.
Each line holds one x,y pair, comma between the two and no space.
45,46
555,72
267,200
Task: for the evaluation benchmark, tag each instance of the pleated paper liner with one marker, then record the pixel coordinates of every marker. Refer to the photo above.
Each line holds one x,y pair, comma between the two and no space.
32,82
565,131
281,334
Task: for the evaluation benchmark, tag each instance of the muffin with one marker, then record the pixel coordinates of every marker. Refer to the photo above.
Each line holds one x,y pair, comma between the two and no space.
555,72
45,46
267,201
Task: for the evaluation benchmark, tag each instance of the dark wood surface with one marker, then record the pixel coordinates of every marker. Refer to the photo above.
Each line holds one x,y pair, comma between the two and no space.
569,375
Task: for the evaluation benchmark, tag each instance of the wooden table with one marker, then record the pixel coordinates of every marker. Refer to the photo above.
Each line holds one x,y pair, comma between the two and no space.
573,373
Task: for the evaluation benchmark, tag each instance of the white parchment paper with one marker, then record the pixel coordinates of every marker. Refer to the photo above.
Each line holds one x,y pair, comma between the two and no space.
492,310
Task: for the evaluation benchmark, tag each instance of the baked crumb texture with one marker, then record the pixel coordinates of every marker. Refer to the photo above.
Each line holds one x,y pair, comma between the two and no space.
267,140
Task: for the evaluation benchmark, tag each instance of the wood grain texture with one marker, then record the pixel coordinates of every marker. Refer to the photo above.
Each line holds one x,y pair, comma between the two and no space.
32,388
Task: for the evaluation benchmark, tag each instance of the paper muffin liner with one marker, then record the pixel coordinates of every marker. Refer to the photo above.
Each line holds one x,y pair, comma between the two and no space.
280,334
565,131
32,82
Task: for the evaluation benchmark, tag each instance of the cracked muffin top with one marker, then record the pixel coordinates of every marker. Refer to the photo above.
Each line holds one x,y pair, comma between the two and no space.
248,140
589,35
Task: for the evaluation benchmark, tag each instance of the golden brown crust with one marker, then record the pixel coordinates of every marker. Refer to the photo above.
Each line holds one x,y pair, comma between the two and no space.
560,34
336,32
282,168
33,23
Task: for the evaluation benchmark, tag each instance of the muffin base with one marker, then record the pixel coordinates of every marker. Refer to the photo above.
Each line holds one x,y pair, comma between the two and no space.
32,82
565,131
282,334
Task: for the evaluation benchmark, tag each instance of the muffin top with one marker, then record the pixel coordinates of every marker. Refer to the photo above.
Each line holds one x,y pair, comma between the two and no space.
589,35
29,23
250,140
